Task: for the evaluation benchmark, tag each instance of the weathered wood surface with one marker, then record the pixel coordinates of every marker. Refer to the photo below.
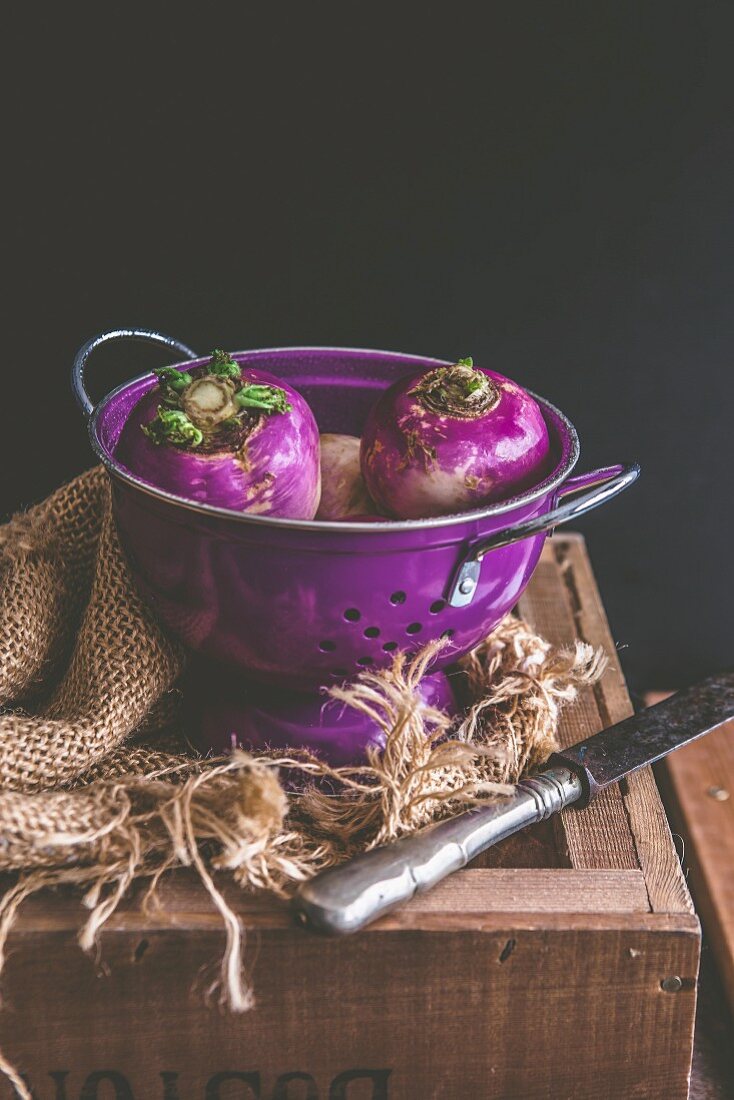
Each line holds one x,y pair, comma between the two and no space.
568,1011
652,837
535,973
700,785
600,836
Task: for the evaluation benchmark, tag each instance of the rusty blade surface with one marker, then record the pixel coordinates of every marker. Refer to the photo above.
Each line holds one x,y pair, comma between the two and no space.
650,735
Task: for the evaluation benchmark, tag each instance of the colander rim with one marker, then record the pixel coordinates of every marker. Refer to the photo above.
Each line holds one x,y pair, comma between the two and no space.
556,478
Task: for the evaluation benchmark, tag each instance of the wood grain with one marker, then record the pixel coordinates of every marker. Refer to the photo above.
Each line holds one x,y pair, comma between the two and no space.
598,836
695,776
652,838
545,890
479,890
507,1013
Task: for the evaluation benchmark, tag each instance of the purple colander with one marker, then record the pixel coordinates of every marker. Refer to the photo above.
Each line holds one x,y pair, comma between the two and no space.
299,604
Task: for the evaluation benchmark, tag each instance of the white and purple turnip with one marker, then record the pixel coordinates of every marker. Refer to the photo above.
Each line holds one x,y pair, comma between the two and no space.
227,435
344,494
451,439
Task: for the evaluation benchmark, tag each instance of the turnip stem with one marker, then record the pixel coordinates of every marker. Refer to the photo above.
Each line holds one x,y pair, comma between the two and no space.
460,390
209,400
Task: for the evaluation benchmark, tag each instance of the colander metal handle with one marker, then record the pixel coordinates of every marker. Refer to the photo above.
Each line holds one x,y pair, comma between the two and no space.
143,335
602,485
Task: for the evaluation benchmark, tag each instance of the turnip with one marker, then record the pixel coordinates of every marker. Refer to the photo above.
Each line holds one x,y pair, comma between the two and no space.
343,491
228,435
450,439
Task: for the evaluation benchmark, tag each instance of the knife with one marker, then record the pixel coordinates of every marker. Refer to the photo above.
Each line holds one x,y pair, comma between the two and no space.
344,899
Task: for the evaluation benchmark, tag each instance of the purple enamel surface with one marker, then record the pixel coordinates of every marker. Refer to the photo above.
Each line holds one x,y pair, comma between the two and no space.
224,713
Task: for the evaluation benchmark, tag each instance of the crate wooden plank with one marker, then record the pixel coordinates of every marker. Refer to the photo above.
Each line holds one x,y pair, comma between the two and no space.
498,890
654,844
700,783
534,1012
600,835
545,890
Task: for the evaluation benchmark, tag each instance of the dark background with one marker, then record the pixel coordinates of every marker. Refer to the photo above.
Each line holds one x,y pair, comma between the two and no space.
545,187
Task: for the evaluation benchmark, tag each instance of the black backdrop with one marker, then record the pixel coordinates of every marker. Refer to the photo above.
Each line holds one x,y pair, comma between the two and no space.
548,190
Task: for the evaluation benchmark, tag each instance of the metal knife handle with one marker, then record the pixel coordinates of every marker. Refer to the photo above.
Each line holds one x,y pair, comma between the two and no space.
345,899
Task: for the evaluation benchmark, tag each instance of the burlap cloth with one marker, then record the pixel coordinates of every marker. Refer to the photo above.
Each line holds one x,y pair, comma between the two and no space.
98,786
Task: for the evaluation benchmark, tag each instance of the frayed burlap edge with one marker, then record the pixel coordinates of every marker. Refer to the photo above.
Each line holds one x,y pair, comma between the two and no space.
82,805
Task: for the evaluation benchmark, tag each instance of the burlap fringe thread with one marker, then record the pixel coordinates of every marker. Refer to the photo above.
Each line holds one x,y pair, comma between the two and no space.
97,790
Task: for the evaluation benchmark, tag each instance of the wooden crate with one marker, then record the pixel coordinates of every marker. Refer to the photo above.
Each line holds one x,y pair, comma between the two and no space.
562,964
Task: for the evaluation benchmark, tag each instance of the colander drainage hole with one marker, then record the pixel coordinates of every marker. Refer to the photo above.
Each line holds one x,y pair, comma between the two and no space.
390,647
414,628
398,597
327,646
352,615
364,661
448,633
372,632
340,673
436,606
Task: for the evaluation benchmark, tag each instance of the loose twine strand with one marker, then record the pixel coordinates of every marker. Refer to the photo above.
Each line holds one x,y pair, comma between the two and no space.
98,790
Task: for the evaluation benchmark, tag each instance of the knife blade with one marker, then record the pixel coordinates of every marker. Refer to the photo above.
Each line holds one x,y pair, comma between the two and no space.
344,899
